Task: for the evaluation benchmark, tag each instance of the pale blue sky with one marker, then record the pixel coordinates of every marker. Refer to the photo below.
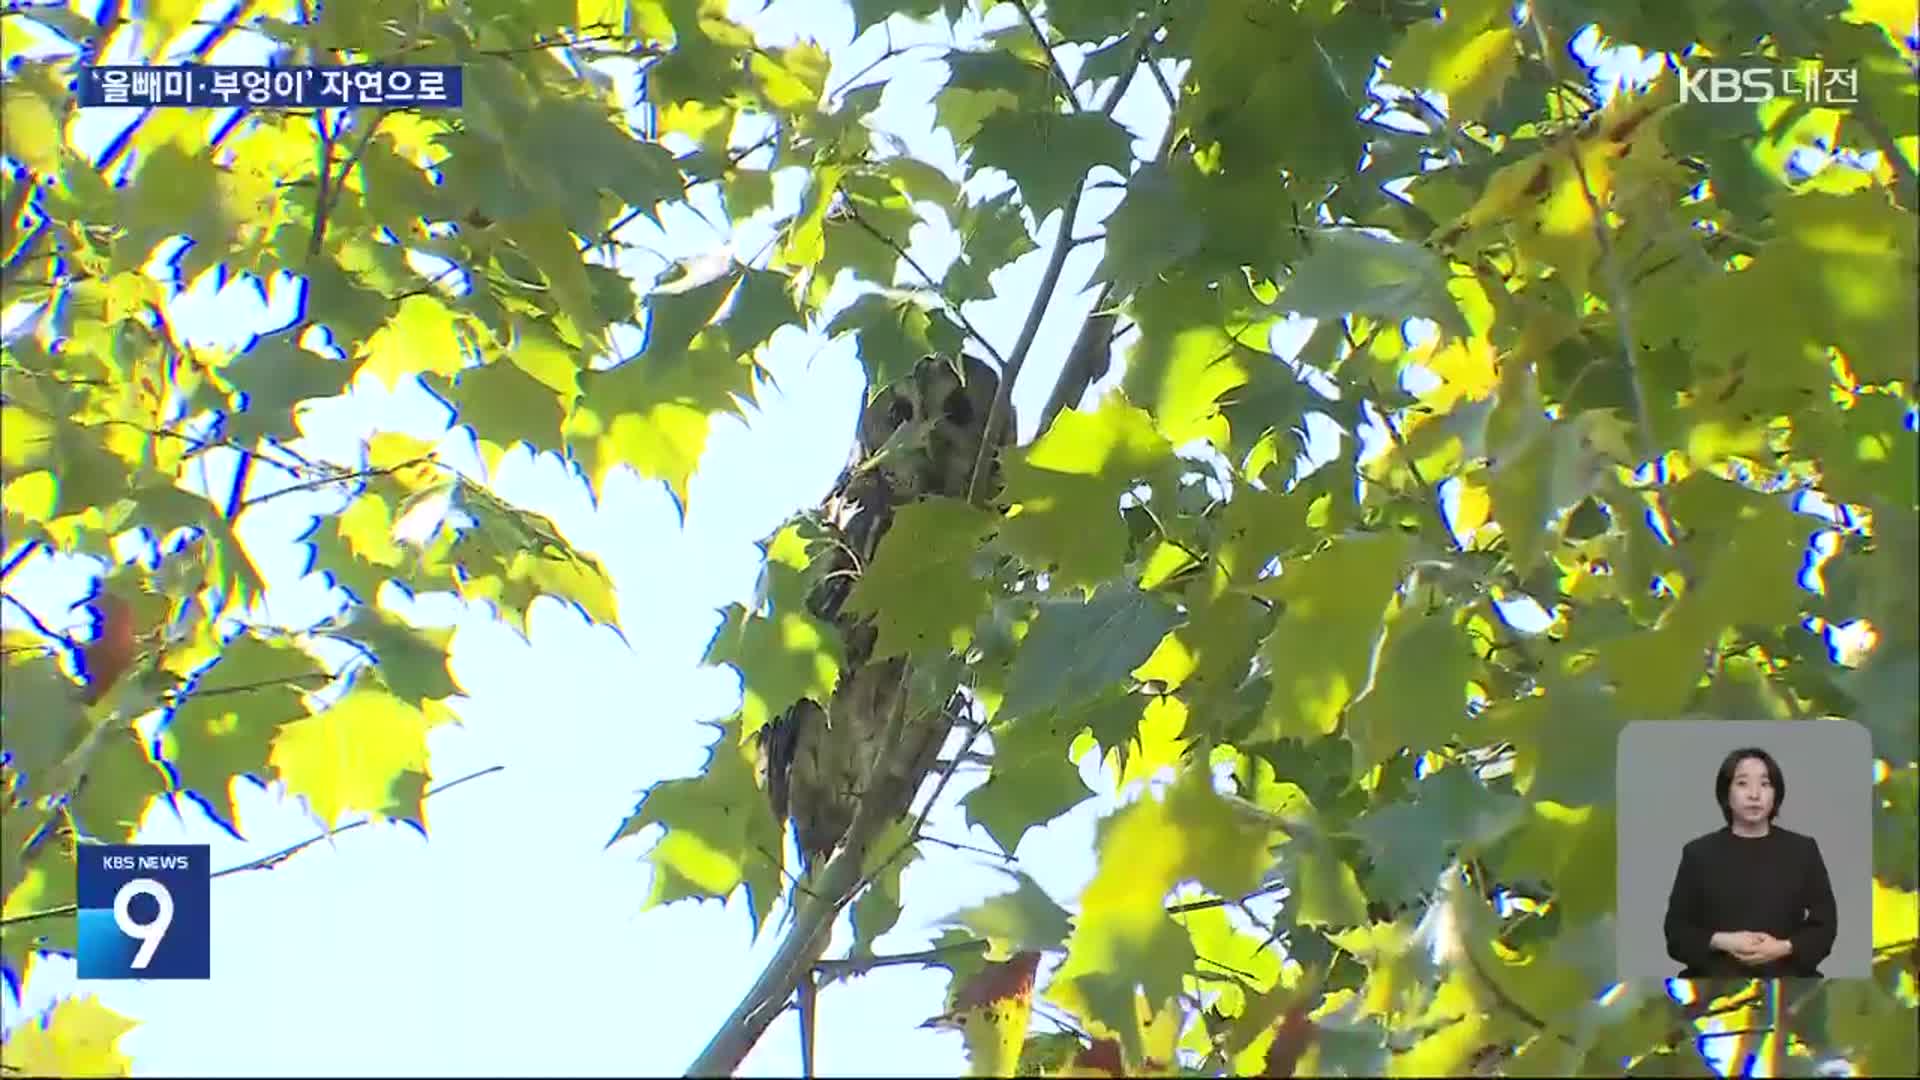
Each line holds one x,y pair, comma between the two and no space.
512,942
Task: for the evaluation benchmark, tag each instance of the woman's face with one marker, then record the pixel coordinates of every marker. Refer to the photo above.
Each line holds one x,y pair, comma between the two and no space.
1752,792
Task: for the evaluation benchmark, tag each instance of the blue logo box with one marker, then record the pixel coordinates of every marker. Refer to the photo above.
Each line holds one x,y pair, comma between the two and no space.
145,911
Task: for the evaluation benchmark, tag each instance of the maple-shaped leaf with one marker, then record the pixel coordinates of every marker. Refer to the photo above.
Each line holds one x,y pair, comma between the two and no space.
1419,693
276,374
412,661
225,725
43,718
1024,919
1333,609
1411,841
1351,271
1571,849
920,587
992,1010
1153,228
784,654
1076,649
720,832
894,334
1033,780
1123,936
1752,546
366,753
36,882
1468,56
423,335
508,402
122,780
78,1036
1050,154
1068,485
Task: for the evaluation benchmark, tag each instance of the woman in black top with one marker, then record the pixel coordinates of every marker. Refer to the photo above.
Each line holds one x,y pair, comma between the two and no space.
1751,900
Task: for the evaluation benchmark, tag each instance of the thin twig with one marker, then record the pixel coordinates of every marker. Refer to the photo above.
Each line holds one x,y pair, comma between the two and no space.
266,862
1053,62
933,286
314,485
1043,297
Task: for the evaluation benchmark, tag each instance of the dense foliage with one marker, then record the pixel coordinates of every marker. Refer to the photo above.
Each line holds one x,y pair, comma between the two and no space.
1647,365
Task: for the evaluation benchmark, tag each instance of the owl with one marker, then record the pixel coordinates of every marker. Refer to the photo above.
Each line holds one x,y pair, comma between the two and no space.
820,761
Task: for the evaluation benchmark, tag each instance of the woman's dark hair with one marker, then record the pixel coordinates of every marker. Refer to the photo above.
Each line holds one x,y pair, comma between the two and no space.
1723,781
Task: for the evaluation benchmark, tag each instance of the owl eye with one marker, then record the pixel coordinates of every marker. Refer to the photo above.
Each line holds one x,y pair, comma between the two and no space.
900,411
959,408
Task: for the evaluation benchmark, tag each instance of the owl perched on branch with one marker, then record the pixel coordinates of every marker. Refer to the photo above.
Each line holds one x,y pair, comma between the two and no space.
820,761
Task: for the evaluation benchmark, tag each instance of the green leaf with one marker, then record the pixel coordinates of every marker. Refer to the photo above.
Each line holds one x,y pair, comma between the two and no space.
412,661
992,235
878,908
423,335
1076,649
1124,937
868,12
1468,56
1419,694
44,720
1350,271
894,334
785,654
1564,740
277,375
1026,918
720,833
920,587
365,753
1333,609
1068,485
504,405
1153,228
1571,849
1050,154
1451,813
33,136
1032,782
226,725
43,882
122,780
1756,544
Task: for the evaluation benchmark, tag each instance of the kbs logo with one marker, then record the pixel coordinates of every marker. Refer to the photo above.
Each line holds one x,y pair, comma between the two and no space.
144,911
1753,85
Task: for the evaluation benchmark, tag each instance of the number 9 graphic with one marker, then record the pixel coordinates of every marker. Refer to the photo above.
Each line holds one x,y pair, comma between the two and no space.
148,934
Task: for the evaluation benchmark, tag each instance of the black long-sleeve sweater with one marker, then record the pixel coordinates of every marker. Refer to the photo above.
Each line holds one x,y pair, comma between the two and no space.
1776,884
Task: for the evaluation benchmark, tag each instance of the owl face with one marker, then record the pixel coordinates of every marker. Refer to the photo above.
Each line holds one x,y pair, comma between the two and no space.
928,425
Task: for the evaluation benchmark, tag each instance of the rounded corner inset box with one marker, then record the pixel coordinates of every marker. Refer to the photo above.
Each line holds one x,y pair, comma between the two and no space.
1744,849
144,911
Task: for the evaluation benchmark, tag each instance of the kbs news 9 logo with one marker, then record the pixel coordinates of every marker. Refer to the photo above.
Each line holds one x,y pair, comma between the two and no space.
144,911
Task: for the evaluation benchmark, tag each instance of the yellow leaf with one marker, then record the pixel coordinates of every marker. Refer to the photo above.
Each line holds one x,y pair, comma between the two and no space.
424,335
32,496
403,457
1896,915
1468,56
30,129
77,1037
367,752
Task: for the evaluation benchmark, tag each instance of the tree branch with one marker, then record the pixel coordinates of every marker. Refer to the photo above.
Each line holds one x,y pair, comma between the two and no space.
266,862
1053,62
1043,298
933,285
